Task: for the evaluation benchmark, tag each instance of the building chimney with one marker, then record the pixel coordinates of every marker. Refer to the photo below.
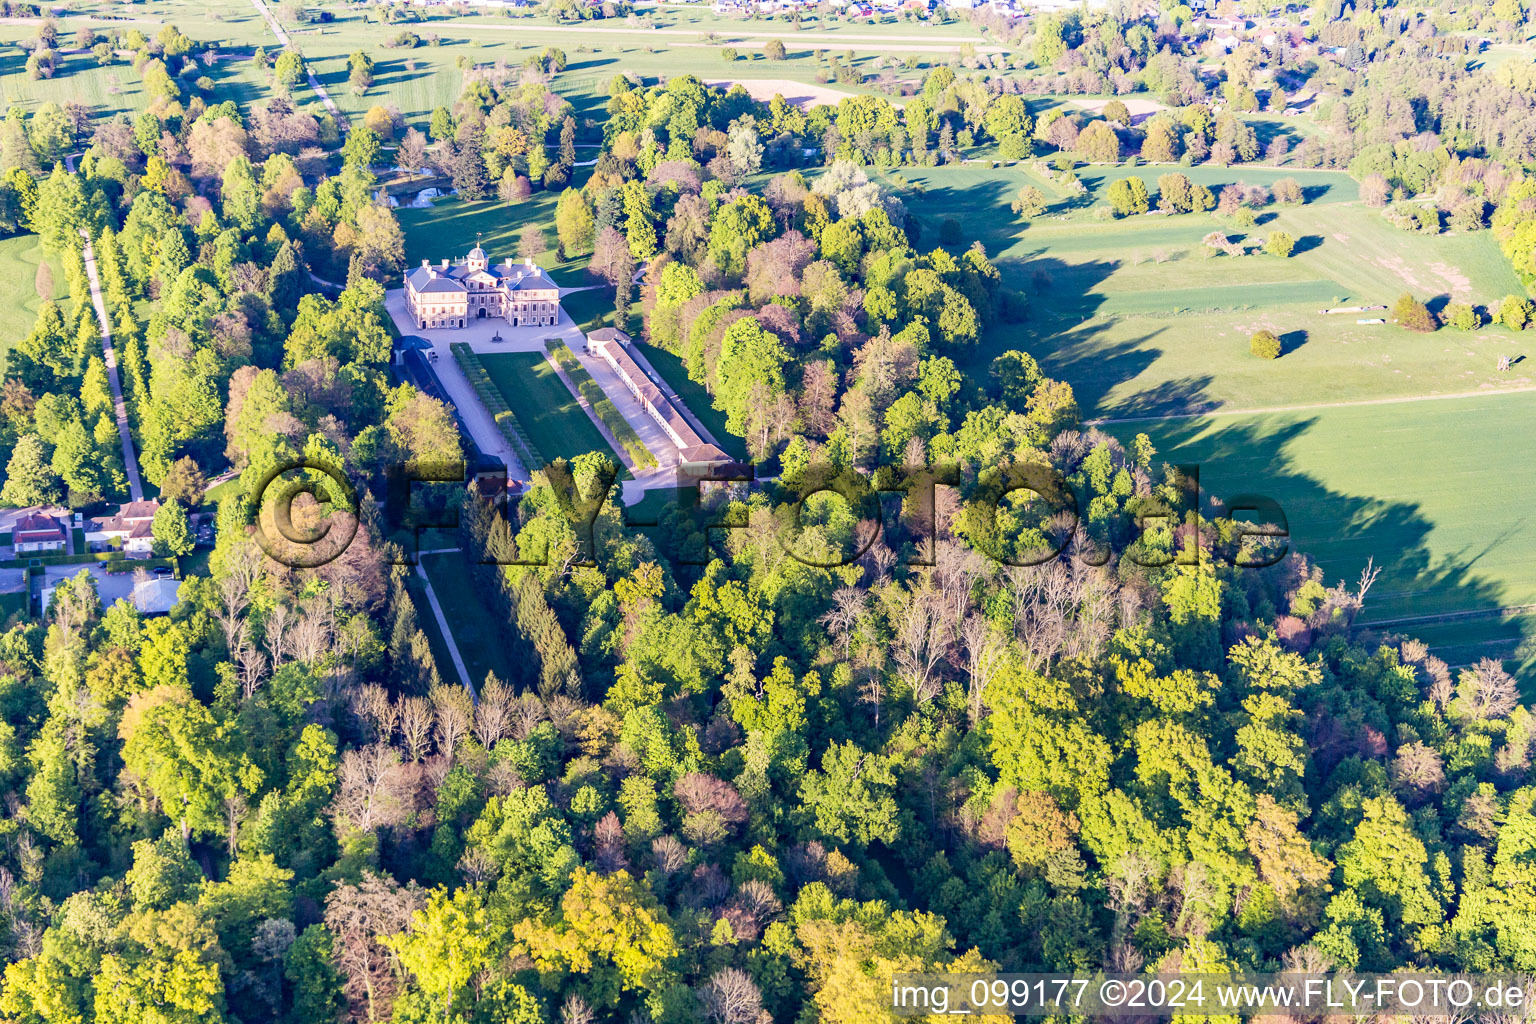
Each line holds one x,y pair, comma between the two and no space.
426,263
445,265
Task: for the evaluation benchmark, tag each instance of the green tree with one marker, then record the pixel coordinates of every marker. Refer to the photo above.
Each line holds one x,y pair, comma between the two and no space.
574,223
639,221
172,529
29,477
1127,196
360,72
851,797
736,229
610,931
1265,344
288,71
1279,244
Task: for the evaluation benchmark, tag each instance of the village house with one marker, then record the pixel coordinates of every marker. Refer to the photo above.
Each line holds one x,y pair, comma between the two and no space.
452,294
129,528
694,453
38,533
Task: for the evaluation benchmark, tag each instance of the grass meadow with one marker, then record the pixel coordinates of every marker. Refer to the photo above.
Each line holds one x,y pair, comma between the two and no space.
1377,443
450,228
482,637
1433,490
20,256
555,421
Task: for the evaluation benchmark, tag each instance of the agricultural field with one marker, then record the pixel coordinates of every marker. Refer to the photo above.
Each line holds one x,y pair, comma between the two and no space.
1376,442
1431,489
20,257
556,423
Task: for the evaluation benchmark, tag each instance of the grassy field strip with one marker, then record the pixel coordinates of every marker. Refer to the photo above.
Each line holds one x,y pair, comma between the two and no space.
755,40
1449,617
480,636
1433,491
1186,300
1278,409
731,33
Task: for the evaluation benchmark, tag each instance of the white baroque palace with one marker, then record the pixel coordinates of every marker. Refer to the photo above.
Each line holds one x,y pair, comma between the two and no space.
452,294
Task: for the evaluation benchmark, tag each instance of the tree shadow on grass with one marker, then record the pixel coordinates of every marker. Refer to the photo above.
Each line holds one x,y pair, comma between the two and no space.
1290,341
590,64
1306,243
1338,530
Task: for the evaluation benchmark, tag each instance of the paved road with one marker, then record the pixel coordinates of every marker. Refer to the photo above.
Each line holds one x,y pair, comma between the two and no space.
314,83
130,460
482,426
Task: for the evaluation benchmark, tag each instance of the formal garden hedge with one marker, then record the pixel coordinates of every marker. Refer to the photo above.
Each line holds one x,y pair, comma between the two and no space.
601,404
490,397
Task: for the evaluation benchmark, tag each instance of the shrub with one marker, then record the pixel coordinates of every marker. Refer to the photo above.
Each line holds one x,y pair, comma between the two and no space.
1514,312
1463,316
1413,315
1265,345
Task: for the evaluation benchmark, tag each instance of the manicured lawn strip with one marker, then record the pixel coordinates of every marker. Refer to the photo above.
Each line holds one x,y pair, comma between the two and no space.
556,423
589,310
482,634
698,400
506,420
428,622
601,404
14,604
450,227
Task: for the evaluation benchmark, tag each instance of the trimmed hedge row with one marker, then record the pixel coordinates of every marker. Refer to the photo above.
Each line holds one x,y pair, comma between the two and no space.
601,404
80,559
496,404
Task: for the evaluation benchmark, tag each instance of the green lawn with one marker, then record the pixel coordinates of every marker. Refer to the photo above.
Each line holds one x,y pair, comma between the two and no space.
451,227
13,604
556,423
20,256
589,310
1137,318
483,636
418,591
1433,490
